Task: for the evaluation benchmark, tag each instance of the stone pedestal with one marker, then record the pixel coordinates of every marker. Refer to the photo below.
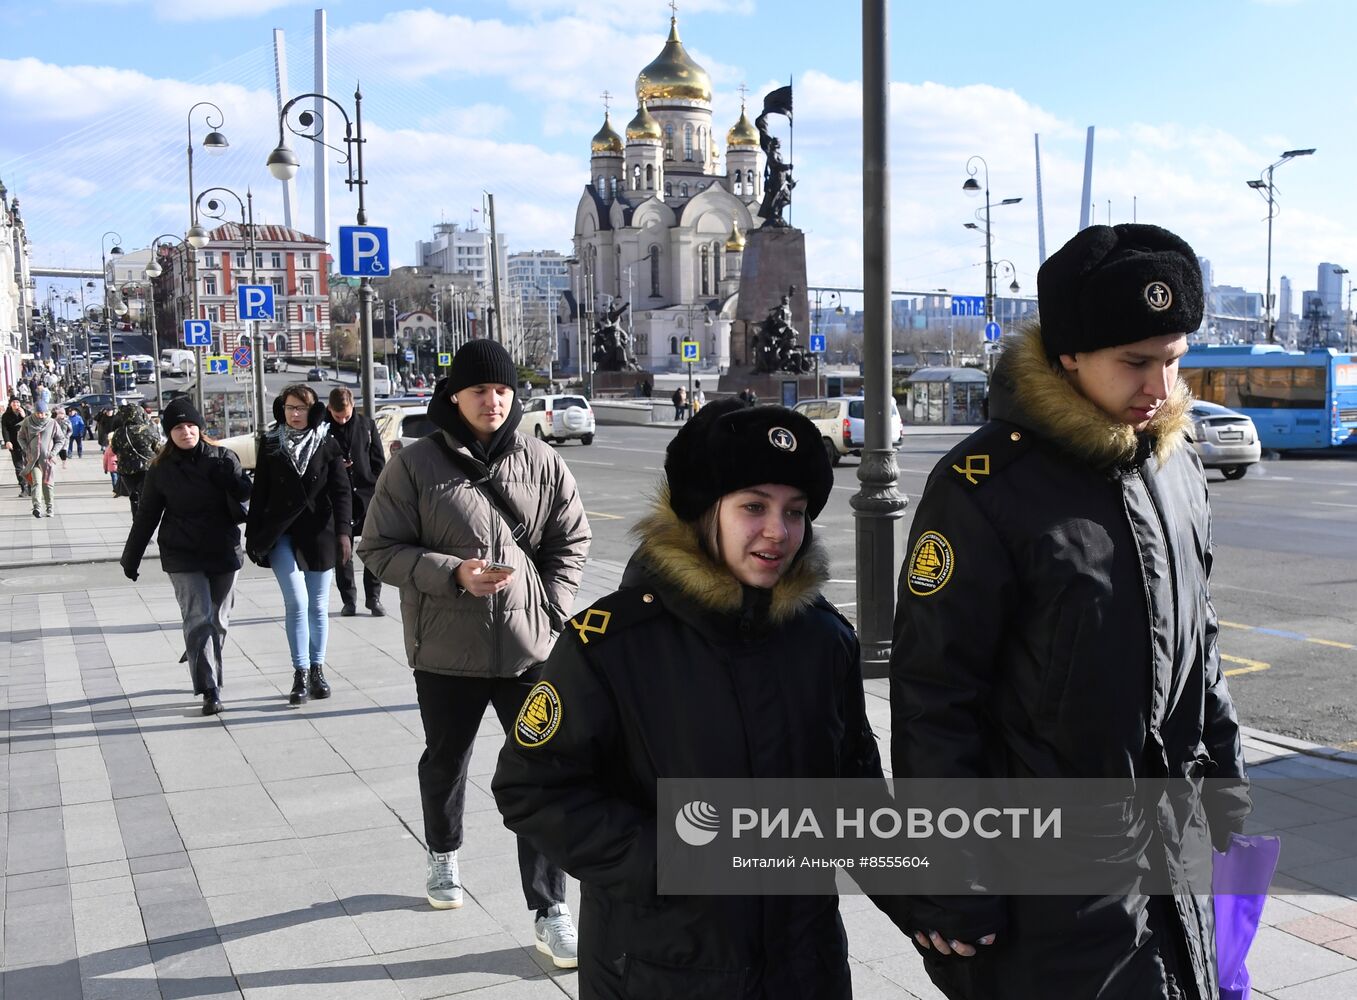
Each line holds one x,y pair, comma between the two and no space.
774,260
612,383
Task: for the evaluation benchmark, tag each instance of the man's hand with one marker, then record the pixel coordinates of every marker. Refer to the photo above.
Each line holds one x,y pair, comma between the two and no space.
935,940
476,580
345,549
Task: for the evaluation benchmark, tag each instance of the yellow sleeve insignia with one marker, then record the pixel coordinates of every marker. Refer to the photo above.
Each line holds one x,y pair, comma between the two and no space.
930,564
540,716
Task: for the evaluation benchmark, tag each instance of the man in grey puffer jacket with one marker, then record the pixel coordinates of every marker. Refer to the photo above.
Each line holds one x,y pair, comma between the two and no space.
481,611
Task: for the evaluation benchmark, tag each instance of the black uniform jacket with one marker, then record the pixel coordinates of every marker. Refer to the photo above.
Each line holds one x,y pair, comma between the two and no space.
195,496
314,509
1054,621
361,446
693,675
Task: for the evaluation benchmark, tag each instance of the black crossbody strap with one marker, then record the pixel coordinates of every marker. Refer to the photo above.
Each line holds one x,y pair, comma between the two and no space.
483,479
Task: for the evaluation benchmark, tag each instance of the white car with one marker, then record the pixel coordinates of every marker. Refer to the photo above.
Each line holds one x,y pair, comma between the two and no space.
1224,439
402,424
558,418
842,424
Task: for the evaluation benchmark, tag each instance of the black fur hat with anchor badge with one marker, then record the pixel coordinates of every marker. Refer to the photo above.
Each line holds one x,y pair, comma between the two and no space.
1114,285
728,446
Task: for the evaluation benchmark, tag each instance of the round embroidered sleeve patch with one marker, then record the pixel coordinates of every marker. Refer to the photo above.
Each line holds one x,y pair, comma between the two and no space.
930,564
540,716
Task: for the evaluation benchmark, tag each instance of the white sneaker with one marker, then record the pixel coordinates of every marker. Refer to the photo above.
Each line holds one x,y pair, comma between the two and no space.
443,888
555,935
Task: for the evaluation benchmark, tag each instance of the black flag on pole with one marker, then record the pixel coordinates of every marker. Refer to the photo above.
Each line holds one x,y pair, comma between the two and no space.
779,102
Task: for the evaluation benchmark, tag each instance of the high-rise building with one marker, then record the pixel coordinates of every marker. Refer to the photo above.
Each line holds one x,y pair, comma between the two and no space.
537,281
1286,312
16,293
1329,287
454,250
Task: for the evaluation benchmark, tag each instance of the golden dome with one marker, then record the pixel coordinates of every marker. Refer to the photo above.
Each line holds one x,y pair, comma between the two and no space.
673,75
743,132
736,241
644,125
606,140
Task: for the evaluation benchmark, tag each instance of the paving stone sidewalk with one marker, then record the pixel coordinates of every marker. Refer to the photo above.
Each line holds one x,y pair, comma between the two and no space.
271,852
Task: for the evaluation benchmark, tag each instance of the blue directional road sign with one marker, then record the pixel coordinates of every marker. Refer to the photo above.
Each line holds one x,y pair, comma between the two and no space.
242,356
197,333
254,301
993,331
690,353
817,343
968,305
364,251
409,355
218,364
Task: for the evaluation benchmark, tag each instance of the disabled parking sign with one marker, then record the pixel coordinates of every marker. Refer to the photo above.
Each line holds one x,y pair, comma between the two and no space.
364,251
197,333
254,301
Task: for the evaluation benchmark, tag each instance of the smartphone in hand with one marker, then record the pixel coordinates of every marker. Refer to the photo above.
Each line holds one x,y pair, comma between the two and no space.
497,567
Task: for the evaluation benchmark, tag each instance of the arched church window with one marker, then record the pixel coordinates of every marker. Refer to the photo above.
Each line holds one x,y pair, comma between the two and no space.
716,261
669,141
688,141
706,270
602,188
669,189
654,272
736,184
650,177
683,189
614,189
636,177
673,345
749,179
702,143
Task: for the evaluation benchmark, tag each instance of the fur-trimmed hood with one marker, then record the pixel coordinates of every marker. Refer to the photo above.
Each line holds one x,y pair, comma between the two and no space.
1026,389
672,553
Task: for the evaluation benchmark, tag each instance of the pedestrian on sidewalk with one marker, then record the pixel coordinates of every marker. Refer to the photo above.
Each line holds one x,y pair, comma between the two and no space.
718,658
41,438
135,440
1020,651
77,431
699,397
104,425
680,400
481,609
300,525
59,415
361,445
195,492
11,422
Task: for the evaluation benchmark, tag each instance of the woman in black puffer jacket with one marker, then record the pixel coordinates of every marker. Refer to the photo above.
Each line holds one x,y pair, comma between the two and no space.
194,491
300,524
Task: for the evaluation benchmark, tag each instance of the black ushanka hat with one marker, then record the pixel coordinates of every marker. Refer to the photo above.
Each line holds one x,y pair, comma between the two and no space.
1114,285
728,446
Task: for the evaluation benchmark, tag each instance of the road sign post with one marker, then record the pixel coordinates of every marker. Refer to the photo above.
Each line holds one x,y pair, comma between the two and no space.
242,356
197,333
255,302
691,353
364,251
993,331
968,305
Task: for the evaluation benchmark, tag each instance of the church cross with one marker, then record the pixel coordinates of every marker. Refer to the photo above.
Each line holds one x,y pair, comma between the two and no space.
673,10
744,91
607,98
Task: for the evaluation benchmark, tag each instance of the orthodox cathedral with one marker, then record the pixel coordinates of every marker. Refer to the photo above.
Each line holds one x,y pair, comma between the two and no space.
660,224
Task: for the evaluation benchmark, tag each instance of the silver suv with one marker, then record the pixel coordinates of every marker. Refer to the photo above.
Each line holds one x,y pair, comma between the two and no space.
843,429
557,418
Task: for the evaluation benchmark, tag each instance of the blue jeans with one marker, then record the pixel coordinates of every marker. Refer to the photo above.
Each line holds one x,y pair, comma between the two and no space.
306,598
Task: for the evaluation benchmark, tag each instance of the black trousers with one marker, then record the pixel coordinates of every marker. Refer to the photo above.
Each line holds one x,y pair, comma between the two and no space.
17,455
451,709
348,590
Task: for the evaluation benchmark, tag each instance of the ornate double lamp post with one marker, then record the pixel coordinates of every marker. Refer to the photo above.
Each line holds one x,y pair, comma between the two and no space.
283,164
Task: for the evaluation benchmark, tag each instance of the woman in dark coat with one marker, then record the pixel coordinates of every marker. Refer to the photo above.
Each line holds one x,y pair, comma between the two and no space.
300,521
195,492
718,658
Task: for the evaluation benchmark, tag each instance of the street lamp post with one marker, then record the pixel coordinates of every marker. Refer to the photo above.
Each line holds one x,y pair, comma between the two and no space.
878,506
820,326
283,163
196,238
692,308
1262,185
103,268
972,186
215,209
153,271
572,263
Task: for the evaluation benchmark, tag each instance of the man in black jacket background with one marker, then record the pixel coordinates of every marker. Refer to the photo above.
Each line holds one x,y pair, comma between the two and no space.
361,444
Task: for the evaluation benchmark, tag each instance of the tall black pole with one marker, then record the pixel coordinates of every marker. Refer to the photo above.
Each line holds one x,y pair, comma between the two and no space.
878,506
365,292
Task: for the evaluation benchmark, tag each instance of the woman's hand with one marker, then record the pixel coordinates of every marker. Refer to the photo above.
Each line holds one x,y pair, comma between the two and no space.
936,941
478,581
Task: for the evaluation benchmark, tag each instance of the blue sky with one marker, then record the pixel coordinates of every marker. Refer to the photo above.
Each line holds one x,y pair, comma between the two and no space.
1190,101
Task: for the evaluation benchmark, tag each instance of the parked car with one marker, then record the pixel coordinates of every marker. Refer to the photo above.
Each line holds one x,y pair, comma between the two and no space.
275,363
317,375
1224,439
842,424
177,362
402,423
99,401
558,418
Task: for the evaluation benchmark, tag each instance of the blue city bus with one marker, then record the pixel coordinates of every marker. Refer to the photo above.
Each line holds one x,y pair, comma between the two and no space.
1296,399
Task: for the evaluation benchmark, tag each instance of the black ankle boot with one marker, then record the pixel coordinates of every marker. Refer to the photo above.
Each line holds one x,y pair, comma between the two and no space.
211,703
320,688
298,695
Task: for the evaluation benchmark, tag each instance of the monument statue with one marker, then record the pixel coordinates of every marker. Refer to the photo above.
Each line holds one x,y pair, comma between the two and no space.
612,344
777,177
777,345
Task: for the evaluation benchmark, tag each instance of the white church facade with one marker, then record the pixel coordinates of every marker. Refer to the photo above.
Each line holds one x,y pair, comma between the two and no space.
660,224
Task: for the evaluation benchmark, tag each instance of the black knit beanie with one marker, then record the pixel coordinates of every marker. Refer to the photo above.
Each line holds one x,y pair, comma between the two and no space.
179,410
482,362
1114,285
727,447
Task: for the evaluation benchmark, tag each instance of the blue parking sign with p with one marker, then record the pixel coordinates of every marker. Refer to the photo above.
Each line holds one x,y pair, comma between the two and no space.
197,333
364,251
254,301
